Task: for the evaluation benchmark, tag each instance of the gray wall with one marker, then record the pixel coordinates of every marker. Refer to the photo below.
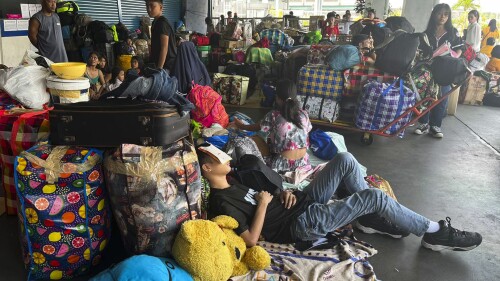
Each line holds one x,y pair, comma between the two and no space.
196,12
418,12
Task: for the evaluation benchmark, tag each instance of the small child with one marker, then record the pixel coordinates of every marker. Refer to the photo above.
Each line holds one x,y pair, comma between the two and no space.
486,49
365,44
494,63
131,47
136,64
117,77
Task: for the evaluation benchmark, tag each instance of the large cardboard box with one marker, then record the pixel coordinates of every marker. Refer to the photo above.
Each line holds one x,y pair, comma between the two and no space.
475,91
231,44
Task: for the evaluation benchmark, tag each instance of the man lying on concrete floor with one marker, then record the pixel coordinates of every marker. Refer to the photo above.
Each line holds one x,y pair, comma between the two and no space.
307,215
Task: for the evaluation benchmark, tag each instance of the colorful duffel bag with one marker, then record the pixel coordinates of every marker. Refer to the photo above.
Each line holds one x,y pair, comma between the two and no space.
320,81
381,103
317,108
153,190
232,88
63,210
420,81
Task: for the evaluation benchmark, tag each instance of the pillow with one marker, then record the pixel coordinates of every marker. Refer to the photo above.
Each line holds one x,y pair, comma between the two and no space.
145,268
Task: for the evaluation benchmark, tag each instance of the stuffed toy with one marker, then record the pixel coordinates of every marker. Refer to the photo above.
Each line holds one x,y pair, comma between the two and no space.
211,250
144,267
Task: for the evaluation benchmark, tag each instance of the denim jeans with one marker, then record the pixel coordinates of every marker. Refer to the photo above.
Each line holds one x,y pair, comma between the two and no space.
436,115
322,217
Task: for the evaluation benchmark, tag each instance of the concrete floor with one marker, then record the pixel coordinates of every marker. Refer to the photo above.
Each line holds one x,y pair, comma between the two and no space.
457,176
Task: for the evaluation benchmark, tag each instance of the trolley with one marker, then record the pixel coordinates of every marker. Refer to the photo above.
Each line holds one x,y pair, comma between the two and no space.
367,135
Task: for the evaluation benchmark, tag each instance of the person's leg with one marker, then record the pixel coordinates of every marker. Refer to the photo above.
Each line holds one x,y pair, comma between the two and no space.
320,219
437,113
423,125
343,167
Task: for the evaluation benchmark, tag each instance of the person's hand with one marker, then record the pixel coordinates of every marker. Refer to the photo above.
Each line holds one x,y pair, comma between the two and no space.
239,124
288,199
263,197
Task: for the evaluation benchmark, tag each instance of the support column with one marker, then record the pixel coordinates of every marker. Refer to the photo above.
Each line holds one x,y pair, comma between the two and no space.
418,12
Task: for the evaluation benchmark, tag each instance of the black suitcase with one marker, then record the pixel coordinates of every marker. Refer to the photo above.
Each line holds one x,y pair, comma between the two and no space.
109,123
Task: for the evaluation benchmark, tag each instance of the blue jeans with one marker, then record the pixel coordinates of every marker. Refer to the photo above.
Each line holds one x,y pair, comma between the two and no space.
320,218
436,115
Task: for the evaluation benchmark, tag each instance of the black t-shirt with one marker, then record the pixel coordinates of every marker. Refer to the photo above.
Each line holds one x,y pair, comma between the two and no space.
238,202
161,26
451,37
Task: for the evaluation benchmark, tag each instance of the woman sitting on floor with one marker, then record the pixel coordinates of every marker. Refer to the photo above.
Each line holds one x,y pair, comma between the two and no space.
288,127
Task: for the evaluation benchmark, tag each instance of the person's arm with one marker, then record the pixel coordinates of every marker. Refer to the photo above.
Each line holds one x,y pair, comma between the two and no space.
101,77
163,51
251,236
34,26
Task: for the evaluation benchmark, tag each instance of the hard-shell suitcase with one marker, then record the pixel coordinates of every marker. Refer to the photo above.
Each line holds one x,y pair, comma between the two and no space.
110,123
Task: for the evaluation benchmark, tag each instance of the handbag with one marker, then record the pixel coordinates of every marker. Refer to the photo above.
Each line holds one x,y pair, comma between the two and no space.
469,54
232,88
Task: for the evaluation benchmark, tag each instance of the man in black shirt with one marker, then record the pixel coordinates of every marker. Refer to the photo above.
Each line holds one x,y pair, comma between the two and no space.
163,44
308,215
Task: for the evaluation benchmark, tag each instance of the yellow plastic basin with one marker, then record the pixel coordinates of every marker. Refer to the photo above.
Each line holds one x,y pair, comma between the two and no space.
69,70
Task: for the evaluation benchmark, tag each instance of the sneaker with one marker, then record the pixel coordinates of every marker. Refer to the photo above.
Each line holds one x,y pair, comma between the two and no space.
449,238
376,224
422,129
436,132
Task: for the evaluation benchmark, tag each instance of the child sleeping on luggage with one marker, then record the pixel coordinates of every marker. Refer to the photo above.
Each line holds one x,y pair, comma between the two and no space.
288,127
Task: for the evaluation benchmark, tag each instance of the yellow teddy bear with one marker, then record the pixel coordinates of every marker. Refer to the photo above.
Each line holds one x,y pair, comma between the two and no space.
211,250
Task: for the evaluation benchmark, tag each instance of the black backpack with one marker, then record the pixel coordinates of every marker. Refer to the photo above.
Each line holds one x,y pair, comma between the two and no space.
379,34
491,99
448,70
254,173
396,23
67,10
398,55
100,32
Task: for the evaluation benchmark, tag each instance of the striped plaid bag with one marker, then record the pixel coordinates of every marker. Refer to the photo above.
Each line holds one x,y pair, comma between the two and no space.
19,130
381,103
357,76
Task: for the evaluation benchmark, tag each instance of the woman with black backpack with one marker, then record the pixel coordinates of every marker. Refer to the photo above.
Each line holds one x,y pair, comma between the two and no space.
439,31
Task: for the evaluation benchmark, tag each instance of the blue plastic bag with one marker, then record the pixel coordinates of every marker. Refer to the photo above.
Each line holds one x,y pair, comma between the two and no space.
322,145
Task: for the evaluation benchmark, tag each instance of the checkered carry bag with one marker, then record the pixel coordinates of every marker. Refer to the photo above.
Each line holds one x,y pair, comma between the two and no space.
382,103
320,82
19,130
356,77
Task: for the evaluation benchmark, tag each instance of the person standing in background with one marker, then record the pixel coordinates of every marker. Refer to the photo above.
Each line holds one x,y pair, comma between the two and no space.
491,31
473,35
439,31
163,45
45,32
229,17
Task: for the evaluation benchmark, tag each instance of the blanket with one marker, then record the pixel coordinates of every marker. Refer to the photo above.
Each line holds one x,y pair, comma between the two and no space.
346,261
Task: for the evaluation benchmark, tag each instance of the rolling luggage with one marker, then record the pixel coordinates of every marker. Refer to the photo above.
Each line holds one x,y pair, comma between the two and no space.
109,123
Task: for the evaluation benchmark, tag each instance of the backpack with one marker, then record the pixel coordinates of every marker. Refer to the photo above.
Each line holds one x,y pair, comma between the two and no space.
254,173
67,10
398,55
100,32
343,57
379,34
81,24
448,70
208,107
396,23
